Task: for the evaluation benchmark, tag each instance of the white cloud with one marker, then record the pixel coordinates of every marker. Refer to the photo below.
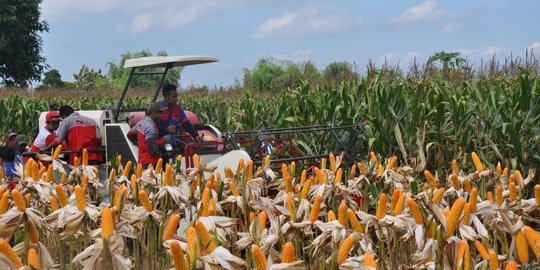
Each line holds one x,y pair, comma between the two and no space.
311,21
55,10
424,12
534,47
404,59
452,27
297,56
481,53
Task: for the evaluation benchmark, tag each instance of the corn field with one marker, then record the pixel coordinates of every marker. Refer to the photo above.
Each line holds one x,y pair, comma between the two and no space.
376,214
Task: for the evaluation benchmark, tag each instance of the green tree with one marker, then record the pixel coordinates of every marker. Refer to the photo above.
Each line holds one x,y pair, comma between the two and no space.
337,72
449,61
52,79
20,43
118,76
88,78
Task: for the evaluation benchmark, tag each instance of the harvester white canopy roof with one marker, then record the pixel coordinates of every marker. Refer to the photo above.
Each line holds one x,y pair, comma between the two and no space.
163,61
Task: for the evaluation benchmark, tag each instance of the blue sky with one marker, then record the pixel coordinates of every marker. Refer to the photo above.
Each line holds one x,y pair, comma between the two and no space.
240,32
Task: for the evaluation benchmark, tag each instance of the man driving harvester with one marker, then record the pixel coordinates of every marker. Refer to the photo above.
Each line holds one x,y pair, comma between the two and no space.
173,117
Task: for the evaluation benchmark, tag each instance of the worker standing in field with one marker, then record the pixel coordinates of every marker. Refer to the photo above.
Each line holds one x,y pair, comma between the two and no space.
146,134
46,134
173,117
79,132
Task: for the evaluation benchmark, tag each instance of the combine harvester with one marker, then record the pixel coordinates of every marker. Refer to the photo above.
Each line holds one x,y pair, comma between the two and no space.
219,149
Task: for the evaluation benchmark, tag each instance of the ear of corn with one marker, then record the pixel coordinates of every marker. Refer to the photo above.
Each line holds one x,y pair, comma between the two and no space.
511,265
4,203
433,182
513,193
57,151
438,195
159,166
49,175
6,249
18,200
205,200
391,163
33,259
489,196
290,206
477,163
537,194
303,177
493,260
355,223
466,214
473,198
63,180
380,170
34,233
145,201
288,184
61,195
522,247
352,172
233,188
178,256
139,170
112,174
305,189
80,198
319,174
287,254
315,209
85,157
259,260
499,195
345,249
369,261
262,220
453,216
266,161
400,205
381,206
455,168
212,208
461,254
533,240
467,185
339,176
54,204
35,172
481,250
171,227
193,245
331,216
455,181
107,223
207,240
332,160
415,212
127,168
342,214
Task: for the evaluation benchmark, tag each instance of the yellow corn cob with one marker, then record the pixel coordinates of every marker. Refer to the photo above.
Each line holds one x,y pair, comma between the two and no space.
518,176
145,201
290,205
461,253
391,163
2,190
522,247
251,217
57,151
134,182
355,223
262,220
107,223
305,189
493,260
112,174
34,233
61,195
197,161
512,179
342,214
119,196
54,204
395,197
455,168
505,172
369,261
481,250
380,170
319,174
477,163
361,169
314,214
233,188
33,259
212,208
425,187
499,195
287,253
455,181
288,184
400,205
489,196
438,195
85,157
193,245
345,248
339,175
217,182
498,169
207,241
512,189
28,169
381,206
453,216
374,158
63,180
80,198
28,199
127,168
266,161
352,173
259,260
84,181
284,170
533,240
467,213
159,166
433,182
18,200
415,212
467,185
4,203
6,249
303,177
229,173
70,190
178,256
332,160
537,194
250,170
168,179
35,172
331,216
323,163
171,227
473,198
138,172
467,257
511,266
431,230
205,200
49,175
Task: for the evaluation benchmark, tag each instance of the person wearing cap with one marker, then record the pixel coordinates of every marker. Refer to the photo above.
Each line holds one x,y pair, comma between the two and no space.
22,146
46,134
10,140
174,116
79,132
146,134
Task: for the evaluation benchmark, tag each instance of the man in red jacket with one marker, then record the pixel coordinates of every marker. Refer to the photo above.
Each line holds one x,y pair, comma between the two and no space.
146,134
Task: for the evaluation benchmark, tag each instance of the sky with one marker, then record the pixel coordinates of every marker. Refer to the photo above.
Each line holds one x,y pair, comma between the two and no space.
240,32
